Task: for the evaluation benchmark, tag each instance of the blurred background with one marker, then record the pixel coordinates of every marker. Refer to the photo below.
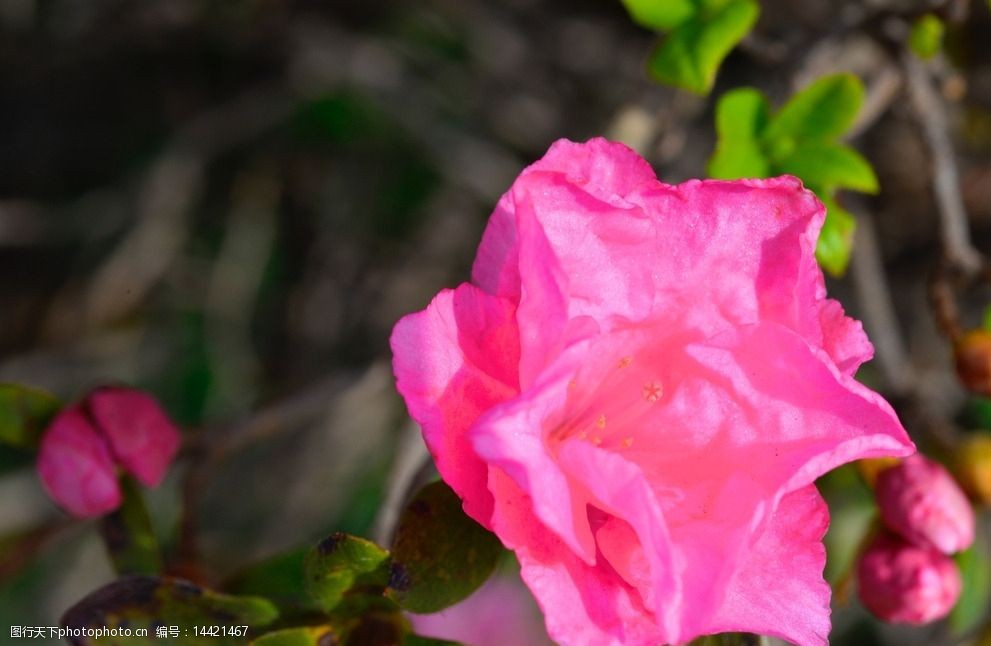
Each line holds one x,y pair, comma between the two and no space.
230,203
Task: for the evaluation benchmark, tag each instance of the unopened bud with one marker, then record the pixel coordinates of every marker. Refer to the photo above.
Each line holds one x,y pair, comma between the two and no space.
922,502
143,438
904,583
973,357
76,467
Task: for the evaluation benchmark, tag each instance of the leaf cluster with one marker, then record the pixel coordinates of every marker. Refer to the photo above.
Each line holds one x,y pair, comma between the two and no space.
701,33
801,139
345,590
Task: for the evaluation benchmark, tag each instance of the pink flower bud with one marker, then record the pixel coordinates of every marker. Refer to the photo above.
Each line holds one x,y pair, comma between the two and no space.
142,437
921,501
904,583
76,467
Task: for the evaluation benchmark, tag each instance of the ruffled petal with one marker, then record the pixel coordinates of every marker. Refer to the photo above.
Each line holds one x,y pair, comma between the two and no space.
582,604
790,414
511,438
605,169
778,589
844,338
453,361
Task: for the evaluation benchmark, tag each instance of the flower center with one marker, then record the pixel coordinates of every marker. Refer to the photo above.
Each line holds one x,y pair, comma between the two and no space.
611,409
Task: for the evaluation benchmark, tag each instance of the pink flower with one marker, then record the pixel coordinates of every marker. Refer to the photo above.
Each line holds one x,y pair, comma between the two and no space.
904,583
497,614
920,500
82,448
636,393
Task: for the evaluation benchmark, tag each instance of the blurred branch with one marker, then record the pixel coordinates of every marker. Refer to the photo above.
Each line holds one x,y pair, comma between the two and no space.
234,284
931,113
411,455
881,93
875,298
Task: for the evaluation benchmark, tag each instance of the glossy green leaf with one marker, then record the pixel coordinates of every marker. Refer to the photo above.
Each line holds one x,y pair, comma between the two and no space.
691,54
660,14
926,38
128,534
836,238
24,414
440,555
825,109
147,602
830,166
975,570
304,636
340,563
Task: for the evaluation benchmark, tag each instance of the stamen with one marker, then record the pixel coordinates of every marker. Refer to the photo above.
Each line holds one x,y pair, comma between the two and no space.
652,391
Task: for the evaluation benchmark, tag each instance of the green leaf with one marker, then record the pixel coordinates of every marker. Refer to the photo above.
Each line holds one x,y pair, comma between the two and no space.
148,602
440,555
279,578
24,414
741,114
836,238
734,160
128,535
660,14
691,54
926,38
823,110
305,636
830,166
340,563
975,570
740,117
986,320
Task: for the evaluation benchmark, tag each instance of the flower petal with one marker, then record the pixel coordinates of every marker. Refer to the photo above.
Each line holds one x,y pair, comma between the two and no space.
605,168
582,604
75,466
453,361
142,438
844,338
778,589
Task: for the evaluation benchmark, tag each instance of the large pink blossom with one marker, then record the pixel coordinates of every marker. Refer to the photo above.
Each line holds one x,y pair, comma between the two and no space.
636,392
